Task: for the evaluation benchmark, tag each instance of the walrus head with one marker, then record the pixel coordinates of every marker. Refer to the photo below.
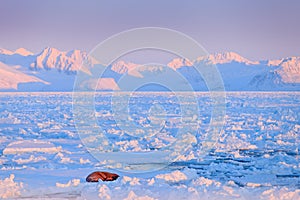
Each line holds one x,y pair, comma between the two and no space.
104,176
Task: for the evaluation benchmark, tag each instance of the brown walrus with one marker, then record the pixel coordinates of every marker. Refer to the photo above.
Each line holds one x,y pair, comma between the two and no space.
104,176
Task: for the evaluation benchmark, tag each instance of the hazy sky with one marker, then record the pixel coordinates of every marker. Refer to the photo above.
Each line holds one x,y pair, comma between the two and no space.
256,29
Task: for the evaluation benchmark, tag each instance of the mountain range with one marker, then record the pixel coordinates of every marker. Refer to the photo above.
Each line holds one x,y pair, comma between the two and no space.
54,70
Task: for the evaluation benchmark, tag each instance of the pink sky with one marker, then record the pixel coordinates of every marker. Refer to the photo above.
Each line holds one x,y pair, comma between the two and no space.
255,29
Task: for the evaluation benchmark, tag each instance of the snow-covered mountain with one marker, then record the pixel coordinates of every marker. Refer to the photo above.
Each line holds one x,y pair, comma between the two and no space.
69,62
20,51
223,58
55,70
10,77
289,69
23,52
6,52
123,67
179,62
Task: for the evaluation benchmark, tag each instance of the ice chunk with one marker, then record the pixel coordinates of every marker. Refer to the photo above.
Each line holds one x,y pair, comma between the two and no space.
83,161
175,176
28,146
132,181
31,159
74,182
133,196
104,192
9,188
206,182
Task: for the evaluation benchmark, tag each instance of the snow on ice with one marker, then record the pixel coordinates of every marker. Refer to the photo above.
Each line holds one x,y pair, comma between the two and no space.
256,156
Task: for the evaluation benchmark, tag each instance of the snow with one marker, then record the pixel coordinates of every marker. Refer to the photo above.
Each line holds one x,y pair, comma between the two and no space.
178,63
9,188
275,62
74,183
290,70
133,196
104,192
227,57
123,67
256,156
84,161
282,194
31,159
27,146
5,51
20,51
100,84
10,78
238,73
72,61
55,70
201,181
23,52
131,181
175,176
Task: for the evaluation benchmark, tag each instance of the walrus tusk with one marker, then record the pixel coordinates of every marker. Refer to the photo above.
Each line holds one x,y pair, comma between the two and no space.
104,176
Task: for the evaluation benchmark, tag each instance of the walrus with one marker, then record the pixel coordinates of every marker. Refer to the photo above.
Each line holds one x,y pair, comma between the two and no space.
104,176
